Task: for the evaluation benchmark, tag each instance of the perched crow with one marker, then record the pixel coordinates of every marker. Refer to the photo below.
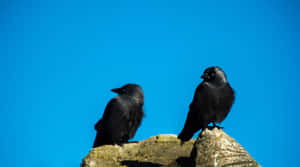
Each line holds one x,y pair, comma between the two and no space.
212,102
122,116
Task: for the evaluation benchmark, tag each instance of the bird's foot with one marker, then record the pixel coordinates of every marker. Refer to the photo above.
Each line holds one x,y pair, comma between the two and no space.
219,127
212,127
216,126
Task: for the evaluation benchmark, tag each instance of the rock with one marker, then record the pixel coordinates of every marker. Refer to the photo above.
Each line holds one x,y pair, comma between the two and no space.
213,148
153,152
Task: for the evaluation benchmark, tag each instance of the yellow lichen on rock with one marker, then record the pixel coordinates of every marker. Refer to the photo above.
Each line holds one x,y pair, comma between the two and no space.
157,150
213,148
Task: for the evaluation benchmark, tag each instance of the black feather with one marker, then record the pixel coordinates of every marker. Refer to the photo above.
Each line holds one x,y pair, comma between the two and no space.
212,102
122,116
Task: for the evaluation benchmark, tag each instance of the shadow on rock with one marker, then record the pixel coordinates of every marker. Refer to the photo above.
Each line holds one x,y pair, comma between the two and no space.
185,161
139,164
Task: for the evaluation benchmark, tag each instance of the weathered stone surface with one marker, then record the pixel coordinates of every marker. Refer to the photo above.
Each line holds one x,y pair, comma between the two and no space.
153,152
213,148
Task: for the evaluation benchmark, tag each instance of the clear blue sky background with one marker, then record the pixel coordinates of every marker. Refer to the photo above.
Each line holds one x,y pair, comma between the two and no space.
60,58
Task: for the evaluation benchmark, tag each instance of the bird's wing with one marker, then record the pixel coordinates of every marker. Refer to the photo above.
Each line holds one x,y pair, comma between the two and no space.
113,106
201,97
194,120
203,106
225,100
115,119
99,125
135,120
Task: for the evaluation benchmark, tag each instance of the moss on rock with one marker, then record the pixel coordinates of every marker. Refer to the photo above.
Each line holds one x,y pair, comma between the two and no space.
213,148
153,152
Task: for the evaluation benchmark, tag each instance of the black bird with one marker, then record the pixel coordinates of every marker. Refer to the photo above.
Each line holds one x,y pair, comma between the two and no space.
122,116
211,103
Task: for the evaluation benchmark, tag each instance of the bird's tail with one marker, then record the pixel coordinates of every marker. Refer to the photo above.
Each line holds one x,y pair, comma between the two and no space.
185,136
99,140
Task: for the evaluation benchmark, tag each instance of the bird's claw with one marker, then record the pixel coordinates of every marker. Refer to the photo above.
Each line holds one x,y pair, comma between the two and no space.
212,127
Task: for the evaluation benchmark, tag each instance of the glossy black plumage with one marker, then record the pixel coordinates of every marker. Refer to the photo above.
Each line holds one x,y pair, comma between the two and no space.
211,103
122,116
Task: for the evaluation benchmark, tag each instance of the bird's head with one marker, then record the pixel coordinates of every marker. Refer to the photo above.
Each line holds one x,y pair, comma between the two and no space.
214,75
132,90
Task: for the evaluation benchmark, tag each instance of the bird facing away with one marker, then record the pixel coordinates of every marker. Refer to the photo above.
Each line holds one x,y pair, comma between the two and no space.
212,102
122,116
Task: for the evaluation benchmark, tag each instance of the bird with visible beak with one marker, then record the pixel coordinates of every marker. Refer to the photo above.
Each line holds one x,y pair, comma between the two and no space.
212,102
122,116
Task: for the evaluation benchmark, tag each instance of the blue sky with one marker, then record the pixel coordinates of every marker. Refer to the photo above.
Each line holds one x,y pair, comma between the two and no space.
60,58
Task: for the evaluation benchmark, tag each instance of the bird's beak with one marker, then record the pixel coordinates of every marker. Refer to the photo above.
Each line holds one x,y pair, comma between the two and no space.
116,90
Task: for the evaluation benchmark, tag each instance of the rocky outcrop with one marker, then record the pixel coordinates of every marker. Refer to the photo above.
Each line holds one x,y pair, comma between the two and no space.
216,148
212,148
153,152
